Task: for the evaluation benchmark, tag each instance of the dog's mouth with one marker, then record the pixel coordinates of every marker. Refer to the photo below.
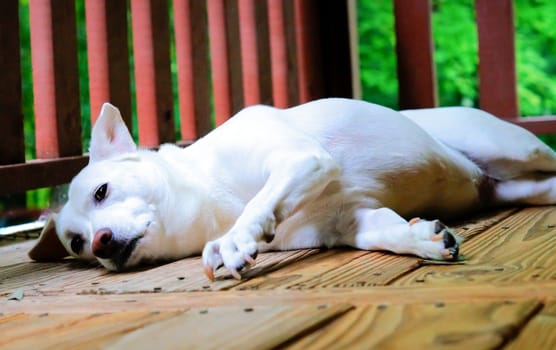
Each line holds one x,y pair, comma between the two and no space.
122,259
118,260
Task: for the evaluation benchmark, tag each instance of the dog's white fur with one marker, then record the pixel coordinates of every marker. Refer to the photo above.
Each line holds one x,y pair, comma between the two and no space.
327,173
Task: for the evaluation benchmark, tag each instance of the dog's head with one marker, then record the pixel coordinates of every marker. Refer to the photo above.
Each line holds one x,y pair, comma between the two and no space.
112,213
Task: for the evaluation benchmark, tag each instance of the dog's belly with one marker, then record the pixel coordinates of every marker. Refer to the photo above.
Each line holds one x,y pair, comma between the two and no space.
433,191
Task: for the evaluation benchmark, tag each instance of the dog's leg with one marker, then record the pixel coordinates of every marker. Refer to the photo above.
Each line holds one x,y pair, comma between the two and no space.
383,229
294,178
533,190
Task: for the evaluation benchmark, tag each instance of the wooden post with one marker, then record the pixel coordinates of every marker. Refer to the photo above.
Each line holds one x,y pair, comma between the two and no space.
12,148
55,78
497,72
415,51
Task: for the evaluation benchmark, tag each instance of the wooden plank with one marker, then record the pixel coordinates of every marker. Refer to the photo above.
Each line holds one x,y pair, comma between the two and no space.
540,332
39,173
415,53
41,278
423,326
73,330
335,269
15,253
478,223
517,250
252,328
55,78
71,276
497,72
12,148
52,302
108,56
193,67
151,51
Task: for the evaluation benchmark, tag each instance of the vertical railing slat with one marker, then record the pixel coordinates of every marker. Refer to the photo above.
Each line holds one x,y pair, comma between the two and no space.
263,48
108,56
219,60
190,25
497,71
335,53
55,78
225,58
249,52
278,53
308,51
12,148
255,52
234,54
414,49
151,47
291,52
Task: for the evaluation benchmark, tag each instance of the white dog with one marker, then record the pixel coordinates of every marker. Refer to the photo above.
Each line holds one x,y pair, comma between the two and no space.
327,173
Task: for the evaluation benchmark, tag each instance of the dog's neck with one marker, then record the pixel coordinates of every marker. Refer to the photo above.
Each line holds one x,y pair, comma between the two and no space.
201,207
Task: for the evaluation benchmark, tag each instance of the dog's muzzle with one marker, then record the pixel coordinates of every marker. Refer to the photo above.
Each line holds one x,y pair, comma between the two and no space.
107,246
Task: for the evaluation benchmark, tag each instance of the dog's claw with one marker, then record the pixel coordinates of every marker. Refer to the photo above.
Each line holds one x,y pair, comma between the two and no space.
209,273
249,259
236,274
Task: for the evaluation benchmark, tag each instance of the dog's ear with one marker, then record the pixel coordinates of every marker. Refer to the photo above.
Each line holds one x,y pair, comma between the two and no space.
110,135
48,247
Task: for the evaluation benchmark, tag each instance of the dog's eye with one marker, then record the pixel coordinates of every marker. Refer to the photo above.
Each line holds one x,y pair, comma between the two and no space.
76,244
100,192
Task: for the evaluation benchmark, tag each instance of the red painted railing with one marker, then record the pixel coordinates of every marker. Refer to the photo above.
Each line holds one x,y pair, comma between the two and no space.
497,72
229,54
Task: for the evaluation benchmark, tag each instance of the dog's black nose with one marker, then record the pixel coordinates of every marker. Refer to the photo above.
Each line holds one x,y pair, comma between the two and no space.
104,246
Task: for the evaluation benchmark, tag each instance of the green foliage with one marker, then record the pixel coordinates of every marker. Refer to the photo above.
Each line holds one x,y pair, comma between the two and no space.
455,37
536,56
377,52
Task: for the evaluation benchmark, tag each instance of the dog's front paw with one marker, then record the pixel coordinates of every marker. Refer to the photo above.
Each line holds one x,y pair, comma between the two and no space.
232,252
435,240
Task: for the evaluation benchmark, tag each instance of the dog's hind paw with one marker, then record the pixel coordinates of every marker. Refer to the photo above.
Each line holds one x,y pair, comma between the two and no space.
434,240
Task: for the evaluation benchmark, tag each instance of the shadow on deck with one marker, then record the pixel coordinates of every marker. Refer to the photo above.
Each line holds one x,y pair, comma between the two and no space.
502,296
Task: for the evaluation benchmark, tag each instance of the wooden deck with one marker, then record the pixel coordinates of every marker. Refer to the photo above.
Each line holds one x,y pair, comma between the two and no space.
503,295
